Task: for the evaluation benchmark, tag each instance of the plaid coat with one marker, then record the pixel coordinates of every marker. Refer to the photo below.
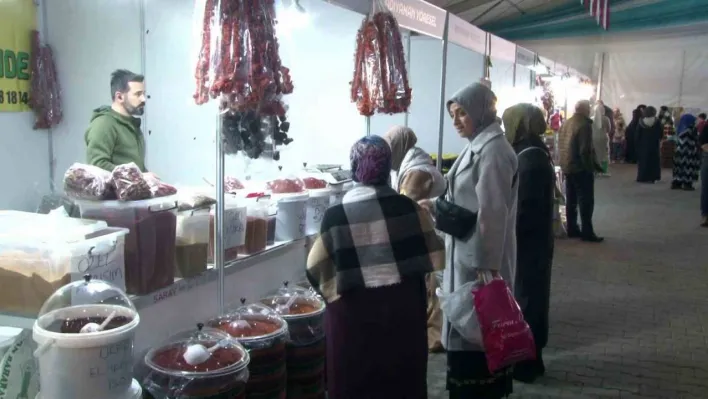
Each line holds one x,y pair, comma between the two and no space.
374,238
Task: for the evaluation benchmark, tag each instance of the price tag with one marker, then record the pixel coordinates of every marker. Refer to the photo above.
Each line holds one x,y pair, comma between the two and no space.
234,227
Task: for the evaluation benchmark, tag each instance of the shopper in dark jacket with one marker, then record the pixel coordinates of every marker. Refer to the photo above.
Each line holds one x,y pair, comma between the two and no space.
534,227
648,139
630,134
579,165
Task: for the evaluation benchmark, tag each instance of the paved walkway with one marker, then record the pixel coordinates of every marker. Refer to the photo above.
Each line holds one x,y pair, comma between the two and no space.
629,317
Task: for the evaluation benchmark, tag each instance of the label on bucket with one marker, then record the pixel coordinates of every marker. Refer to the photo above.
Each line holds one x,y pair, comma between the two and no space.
112,365
234,227
107,265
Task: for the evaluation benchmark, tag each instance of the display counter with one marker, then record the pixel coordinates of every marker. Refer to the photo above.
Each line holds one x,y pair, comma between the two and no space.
190,300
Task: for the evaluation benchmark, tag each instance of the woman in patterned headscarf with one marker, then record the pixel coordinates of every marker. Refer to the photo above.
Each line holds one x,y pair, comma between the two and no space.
369,264
524,124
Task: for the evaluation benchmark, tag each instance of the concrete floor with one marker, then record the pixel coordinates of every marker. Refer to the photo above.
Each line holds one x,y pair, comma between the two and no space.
629,317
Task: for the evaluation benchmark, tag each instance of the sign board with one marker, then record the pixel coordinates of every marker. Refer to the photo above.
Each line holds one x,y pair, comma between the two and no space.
17,21
418,16
466,35
525,57
502,49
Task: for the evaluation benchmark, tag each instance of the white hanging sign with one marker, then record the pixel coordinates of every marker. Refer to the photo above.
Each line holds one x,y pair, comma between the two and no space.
502,49
418,16
524,57
466,35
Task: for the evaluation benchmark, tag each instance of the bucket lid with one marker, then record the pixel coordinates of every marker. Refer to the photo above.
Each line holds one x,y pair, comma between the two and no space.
294,302
251,324
77,304
227,359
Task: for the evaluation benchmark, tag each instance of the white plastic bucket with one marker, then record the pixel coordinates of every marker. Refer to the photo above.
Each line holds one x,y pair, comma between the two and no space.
86,366
317,204
7,338
135,392
290,222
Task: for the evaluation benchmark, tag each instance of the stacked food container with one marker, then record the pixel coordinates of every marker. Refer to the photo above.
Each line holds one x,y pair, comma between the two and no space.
264,333
306,349
85,333
202,363
290,194
150,245
192,245
41,253
318,202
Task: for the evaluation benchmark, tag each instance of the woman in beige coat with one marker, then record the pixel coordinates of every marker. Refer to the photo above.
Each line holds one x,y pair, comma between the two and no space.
418,178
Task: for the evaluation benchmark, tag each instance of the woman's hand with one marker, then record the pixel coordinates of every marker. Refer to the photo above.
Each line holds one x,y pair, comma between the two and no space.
427,205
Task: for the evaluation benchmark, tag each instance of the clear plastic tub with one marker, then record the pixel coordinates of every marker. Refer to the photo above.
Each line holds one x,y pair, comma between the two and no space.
317,205
256,226
174,374
36,262
338,192
79,362
234,228
192,249
264,333
150,245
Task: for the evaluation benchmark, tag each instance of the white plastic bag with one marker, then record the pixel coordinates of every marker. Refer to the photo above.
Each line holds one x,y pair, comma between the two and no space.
458,308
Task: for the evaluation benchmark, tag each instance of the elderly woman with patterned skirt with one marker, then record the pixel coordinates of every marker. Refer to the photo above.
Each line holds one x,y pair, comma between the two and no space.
369,263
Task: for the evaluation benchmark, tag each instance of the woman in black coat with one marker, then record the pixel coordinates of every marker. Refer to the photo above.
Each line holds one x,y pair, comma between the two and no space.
630,138
648,140
524,125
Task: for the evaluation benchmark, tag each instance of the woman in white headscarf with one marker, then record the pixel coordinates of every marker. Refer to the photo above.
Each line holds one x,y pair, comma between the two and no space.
416,174
600,137
419,179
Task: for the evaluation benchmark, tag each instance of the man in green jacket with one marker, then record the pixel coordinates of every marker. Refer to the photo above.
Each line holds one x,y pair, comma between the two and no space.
114,136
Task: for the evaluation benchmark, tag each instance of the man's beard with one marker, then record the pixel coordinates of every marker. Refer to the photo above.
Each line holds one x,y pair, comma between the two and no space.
135,111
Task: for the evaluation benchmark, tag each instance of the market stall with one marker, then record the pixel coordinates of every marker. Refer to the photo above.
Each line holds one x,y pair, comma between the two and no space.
502,73
423,27
464,64
524,78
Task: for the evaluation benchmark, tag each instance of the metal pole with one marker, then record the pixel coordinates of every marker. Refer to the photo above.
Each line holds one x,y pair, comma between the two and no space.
443,75
601,77
513,81
50,133
219,214
408,67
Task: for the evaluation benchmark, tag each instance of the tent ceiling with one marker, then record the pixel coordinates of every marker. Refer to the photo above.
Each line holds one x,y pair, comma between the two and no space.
550,19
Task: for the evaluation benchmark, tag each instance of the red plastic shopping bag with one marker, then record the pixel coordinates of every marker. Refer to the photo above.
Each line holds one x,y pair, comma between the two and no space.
506,336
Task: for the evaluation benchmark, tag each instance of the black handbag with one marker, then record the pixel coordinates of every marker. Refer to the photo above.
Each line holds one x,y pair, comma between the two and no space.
454,220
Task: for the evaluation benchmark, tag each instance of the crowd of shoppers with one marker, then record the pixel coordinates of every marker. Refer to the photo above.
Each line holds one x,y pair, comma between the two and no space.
378,255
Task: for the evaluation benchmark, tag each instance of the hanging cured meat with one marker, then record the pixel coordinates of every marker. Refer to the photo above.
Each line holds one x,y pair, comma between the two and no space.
239,57
45,93
380,81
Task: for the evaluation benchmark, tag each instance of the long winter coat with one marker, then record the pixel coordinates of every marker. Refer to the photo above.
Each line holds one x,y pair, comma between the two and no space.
482,180
534,235
648,140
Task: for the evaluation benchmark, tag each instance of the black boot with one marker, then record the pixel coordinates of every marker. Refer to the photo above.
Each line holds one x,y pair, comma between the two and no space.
675,185
530,370
688,187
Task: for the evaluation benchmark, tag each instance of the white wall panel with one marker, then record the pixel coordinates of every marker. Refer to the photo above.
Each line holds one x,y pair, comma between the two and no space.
90,40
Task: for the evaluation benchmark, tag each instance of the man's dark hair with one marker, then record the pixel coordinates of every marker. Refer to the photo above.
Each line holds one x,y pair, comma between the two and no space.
702,115
120,79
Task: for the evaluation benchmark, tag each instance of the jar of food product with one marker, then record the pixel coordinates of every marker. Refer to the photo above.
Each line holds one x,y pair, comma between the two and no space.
306,349
84,335
256,231
200,363
290,194
272,224
192,251
234,232
264,333
150,245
